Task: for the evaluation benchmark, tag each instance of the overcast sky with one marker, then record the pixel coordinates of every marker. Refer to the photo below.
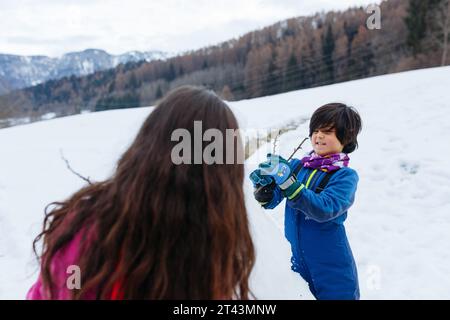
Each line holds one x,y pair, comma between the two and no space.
55,27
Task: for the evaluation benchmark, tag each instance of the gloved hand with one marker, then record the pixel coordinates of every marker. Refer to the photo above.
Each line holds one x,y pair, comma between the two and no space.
260,180
279,169
276,167
265,194
264,187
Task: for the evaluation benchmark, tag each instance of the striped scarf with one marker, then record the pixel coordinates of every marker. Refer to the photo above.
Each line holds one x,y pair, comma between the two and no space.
330,162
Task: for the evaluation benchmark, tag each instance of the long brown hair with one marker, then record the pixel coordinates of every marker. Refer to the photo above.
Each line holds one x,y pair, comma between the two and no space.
163,231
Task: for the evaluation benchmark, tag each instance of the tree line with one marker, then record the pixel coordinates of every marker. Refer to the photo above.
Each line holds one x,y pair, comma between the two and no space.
297,53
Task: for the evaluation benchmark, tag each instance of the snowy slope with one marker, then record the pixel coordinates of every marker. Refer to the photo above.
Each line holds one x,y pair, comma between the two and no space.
398,226
35,175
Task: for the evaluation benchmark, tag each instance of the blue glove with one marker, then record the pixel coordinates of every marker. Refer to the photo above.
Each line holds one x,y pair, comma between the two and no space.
276,167
279,169
260,180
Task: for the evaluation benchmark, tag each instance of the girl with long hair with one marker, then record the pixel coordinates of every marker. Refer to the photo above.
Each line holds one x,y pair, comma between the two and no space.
155,229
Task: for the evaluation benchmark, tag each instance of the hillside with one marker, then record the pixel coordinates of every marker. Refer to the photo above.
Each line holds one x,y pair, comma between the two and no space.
297,53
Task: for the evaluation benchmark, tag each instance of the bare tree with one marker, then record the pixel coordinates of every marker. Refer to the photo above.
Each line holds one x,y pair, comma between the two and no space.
226,93
446,26
438,33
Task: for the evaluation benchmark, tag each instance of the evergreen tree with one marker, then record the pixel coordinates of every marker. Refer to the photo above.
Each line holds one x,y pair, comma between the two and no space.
180,71
351,30
133,84
271,84
129,100
364,65
112,86
328,45
303,73
159,93
292,75
416,24
170,75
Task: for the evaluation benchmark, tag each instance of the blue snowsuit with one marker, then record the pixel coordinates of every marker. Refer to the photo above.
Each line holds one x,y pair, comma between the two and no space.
314,227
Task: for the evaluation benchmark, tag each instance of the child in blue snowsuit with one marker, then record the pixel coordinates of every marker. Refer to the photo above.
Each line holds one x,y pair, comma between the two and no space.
319,189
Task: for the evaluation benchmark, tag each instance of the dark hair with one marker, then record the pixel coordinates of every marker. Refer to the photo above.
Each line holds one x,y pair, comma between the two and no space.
344,119
168,231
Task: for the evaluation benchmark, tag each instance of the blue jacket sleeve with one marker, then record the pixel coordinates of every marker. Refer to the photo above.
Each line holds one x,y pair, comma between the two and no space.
333,201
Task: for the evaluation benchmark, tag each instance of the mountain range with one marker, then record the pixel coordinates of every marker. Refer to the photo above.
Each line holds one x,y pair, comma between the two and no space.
18,72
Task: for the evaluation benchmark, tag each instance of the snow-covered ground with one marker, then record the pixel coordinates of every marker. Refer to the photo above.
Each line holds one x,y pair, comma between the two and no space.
398,227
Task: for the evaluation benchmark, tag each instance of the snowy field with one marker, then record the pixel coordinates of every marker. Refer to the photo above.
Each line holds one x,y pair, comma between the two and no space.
399,226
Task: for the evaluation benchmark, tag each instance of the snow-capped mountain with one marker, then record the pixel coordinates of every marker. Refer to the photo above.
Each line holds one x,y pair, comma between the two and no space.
23,71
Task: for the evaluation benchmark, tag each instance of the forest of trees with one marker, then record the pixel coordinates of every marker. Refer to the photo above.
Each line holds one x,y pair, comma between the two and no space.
297,53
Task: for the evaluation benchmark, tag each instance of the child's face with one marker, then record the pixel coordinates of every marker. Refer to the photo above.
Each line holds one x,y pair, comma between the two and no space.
324,142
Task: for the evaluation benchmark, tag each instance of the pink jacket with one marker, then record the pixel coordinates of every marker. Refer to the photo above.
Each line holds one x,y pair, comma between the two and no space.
64,258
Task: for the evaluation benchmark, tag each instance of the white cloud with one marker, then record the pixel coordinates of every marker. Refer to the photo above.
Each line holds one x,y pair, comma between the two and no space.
53,27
